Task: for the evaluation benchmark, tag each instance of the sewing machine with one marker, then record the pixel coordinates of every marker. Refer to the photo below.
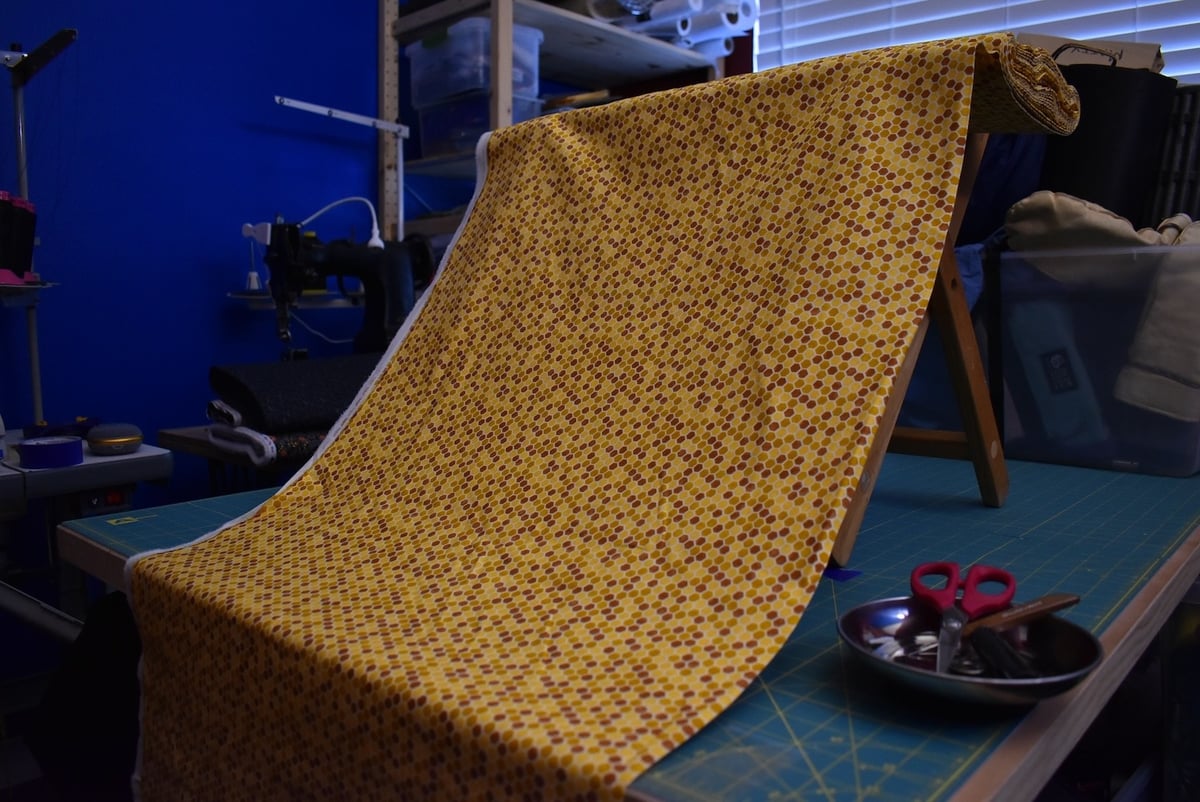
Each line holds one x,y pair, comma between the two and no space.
390,273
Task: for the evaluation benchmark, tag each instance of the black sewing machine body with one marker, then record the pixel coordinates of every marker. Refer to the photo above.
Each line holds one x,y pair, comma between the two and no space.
390,277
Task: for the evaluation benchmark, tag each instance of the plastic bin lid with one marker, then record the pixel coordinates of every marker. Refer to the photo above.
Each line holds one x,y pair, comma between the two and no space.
483,23
469,25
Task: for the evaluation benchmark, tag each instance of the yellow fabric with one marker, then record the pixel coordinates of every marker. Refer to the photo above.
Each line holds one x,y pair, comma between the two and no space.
1020,90
592,488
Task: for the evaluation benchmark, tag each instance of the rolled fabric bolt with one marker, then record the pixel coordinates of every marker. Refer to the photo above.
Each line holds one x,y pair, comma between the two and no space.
714,48
717,23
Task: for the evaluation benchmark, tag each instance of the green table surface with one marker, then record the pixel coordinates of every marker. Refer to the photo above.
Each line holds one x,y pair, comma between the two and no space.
819,725
136,531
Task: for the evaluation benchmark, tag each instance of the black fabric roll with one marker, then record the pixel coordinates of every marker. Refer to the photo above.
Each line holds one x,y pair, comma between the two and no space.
302,395
1178,190
1113,156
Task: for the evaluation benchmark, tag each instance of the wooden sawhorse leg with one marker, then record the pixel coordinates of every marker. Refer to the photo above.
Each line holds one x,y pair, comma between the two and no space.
980,439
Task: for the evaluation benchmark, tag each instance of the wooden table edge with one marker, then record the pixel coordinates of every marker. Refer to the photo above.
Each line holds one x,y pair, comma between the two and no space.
91,557
1026,760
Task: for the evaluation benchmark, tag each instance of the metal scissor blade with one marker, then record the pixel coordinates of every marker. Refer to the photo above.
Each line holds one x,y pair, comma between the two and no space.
949,638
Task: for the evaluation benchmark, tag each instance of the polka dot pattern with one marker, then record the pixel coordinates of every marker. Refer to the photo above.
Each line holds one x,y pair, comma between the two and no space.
595,485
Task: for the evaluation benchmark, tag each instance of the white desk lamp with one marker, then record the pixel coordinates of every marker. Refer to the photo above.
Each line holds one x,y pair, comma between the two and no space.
401,132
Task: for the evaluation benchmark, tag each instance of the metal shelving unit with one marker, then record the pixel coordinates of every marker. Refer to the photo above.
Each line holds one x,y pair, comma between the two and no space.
576,50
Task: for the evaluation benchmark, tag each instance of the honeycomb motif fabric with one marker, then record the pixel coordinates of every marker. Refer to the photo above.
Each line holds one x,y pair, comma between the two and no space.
592,487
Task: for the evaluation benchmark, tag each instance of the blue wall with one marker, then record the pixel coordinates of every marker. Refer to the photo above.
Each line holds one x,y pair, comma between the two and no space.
151,140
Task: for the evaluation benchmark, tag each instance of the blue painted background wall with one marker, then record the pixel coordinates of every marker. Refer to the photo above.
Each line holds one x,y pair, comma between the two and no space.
151,140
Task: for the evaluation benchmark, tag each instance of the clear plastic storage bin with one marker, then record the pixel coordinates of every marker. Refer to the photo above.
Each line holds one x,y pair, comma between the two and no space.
455,125
1096,346
462,62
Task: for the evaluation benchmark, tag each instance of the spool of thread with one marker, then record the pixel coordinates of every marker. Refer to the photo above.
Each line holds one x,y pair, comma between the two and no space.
51,452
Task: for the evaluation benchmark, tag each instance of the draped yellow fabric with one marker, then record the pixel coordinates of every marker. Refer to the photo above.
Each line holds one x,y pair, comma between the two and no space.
592,487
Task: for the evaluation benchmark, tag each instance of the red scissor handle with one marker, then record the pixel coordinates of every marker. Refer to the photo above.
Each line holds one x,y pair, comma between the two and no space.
975,600
943,596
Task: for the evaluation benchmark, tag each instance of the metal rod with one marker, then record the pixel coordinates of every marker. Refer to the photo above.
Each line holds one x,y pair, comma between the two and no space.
23,66
388,108
22,158
400,187
398,129
348,116
35,362
501,106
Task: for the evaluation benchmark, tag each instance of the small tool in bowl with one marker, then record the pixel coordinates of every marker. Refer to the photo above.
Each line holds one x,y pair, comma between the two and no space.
1022,613
998,652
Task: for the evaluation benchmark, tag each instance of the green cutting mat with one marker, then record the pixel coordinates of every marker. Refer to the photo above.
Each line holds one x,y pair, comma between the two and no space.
819,726
163,527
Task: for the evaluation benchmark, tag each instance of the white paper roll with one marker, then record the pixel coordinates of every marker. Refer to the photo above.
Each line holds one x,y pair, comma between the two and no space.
717,23
715,48
747,13
666,29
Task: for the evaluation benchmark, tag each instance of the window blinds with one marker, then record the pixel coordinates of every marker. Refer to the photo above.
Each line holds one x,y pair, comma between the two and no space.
799,30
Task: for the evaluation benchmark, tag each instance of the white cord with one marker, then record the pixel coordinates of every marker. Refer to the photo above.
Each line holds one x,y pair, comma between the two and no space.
428,206
292,314
375,241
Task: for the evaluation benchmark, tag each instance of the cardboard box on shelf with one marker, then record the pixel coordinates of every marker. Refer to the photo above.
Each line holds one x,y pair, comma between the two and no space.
1134,55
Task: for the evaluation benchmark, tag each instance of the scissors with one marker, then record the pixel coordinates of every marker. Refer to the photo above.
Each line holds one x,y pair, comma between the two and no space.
957,610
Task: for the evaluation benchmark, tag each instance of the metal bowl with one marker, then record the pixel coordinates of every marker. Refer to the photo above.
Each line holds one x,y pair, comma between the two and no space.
889,634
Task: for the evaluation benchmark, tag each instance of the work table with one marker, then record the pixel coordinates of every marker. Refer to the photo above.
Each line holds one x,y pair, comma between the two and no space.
817,724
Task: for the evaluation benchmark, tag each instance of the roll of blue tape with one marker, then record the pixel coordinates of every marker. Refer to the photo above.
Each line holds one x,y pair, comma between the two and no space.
51,452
